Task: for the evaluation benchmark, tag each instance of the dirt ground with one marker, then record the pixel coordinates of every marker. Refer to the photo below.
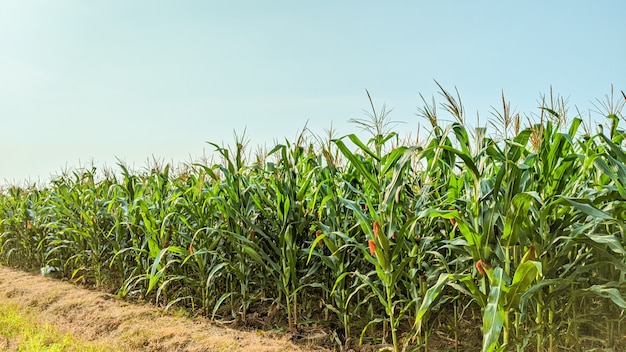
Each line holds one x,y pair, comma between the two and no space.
103,318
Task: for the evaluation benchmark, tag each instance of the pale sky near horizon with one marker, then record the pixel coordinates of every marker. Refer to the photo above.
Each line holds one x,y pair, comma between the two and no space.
87,81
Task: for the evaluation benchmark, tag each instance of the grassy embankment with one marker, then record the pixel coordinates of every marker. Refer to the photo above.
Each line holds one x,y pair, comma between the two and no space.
21,331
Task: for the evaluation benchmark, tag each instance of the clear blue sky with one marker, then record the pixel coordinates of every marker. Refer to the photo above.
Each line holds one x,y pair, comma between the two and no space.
84,81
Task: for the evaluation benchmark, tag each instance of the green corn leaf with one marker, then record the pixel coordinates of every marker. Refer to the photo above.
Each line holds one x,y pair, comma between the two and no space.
357,163
253,254
214,271
219,303
621,169
430,297
476,293
362,145
352,205
603,167
521,204
576,122
586,208
534,289
524,276
304,188
608,292
493,316
462,137
400,158
469,163
391,159
612,241
474,240
155,271
618,150
153,247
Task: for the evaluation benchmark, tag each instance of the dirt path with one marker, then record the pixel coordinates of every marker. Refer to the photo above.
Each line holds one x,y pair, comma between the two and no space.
103,318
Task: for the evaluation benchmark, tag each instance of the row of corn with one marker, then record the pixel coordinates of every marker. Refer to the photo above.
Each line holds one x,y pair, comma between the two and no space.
517,238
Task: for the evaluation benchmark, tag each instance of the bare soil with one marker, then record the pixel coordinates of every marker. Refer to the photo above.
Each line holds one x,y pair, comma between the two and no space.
102,318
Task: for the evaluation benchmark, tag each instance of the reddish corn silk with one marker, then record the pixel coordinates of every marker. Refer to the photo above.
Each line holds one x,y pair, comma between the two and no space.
318,233
376,229
481,267
372,245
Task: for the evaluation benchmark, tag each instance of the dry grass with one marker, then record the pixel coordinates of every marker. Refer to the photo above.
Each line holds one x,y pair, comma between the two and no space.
104,319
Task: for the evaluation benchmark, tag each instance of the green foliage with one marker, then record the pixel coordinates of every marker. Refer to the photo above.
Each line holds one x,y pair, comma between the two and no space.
371,238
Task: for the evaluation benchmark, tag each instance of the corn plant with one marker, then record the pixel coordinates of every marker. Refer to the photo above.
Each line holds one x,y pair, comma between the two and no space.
375,240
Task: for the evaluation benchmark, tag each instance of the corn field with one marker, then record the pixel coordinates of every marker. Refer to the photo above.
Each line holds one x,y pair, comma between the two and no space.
515,236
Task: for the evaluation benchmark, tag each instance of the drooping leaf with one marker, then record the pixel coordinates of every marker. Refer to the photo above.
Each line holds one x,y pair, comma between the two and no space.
587,208
609,292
